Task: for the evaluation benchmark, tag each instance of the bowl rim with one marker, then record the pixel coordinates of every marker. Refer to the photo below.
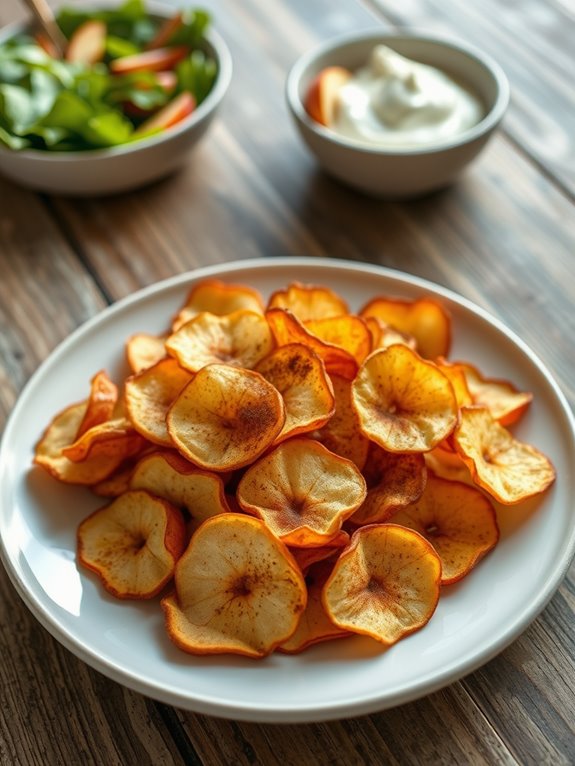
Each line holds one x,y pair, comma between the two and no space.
223,79
483,127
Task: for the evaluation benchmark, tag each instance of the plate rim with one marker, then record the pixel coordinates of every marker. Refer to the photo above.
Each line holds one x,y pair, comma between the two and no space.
248,711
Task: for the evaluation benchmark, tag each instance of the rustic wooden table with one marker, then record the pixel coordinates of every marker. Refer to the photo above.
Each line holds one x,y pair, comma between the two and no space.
504,236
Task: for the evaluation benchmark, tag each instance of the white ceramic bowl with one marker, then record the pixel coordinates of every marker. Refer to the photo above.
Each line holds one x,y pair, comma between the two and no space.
398,172
120,168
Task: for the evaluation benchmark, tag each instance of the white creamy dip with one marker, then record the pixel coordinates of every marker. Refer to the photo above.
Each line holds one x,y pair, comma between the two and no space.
397,102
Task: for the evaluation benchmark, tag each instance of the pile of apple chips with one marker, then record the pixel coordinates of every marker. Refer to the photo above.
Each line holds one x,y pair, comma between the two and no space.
292,471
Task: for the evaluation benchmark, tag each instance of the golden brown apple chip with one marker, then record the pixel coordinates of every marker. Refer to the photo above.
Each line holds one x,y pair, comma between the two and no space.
226,417
400,481
305,557
286,328
169,475
508,469
455,373
150,393
425,319
385,584
115,437
242,338
348,332
448,464
302,491
342,433
314,625
505,402
309,302
144,350
133,544
458,520
404,403
238,590
383,335
101,402
219,298
300,377
61,433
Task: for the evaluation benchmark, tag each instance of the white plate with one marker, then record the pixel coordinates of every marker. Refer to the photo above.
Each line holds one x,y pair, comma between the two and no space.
474,620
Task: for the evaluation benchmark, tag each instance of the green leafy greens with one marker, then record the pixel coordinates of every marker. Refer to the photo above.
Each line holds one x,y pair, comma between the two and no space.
55,105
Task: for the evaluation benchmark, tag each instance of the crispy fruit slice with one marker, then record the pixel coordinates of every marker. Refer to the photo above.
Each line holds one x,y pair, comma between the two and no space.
175,110
448,464
505,402
101,402
314,625
348,332
342,433
404,403
219,298
309,302
426,319
242,338
458,520
382,335
226,417
166,31
88,43
455,373
385,584
144,350
322,97
116,484
156,60
401,481
305,557
510,470
287,328
299,375
59,434
238,590
133,544
302,491
150,393
169,475
115,437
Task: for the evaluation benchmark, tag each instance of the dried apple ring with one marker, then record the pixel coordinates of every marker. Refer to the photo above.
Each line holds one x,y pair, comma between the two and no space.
219,298
404,403
225,417
309,302
238,590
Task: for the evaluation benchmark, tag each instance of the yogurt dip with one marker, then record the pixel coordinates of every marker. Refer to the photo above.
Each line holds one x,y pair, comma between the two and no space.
396,102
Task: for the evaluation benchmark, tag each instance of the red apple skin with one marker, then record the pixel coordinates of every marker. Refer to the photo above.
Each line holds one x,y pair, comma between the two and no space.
167,80
166,32
158,60
88,43
321,97
169,115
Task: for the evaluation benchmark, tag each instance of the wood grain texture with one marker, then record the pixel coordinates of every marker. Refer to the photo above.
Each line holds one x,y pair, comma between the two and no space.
504,236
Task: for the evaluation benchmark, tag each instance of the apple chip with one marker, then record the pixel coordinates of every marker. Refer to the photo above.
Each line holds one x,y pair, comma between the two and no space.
400,481
382,335
385,584
458,520
238,590
425,319
133,544
225,417
169,475
508,469
455,373
101,402
348,332
242,338
404,403
219,298
314,625
144,350
448,464
115,437
60,433
501,398
150,393
299,375
342,433
302,491
287,328
305,557
308,302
